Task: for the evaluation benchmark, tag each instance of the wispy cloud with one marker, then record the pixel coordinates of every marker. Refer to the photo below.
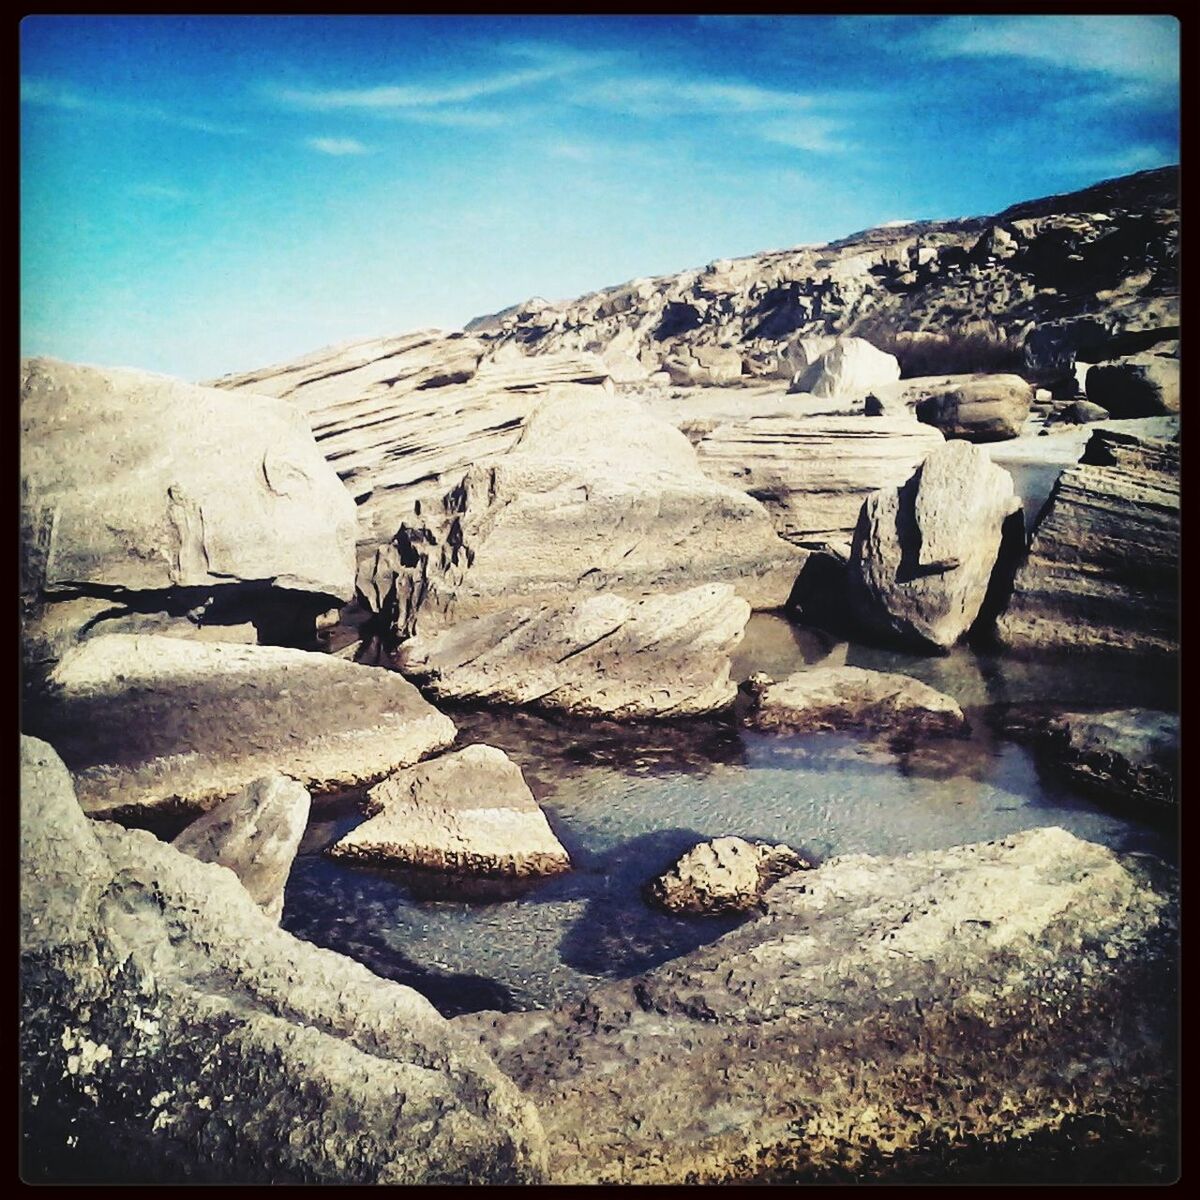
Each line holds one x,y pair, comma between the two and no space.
338,147
1121,162
820,135
49,93
159,191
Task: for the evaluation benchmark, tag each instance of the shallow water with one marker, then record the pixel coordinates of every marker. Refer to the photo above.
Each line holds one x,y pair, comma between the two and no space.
626,801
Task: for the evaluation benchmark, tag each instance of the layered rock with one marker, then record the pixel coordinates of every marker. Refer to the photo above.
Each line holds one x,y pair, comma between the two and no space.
606,655
850,367
885,1017
924,554
1103,564
852,698
255,834
812,474
152,724
597,496
171,1033
1143,385
469,812
728,874
193,505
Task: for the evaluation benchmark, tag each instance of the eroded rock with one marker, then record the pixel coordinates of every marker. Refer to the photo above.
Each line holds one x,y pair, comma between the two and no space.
986,408
850,367
728,874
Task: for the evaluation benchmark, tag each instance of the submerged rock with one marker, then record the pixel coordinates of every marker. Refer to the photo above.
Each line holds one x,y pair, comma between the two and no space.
924,554
155,724
728,874
607,655
469,812
852,698
256,834
883,1015
171,1033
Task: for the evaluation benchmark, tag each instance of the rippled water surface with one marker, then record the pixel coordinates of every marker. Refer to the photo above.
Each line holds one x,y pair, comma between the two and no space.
627,801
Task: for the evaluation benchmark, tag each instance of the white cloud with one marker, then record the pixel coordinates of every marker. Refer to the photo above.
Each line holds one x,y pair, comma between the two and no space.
666,97
815,134
337,146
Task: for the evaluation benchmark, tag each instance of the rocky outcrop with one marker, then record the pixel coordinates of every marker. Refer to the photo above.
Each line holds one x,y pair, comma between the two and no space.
702,365
728,874
813,473
171,1033
1143,385
256,835
924,554
885,1017
1103,564
199,507
606,655
852,698
850,367
597,496
469,812
981,408
159,725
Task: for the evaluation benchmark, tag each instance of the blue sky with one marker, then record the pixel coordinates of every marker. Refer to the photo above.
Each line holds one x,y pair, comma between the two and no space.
210,194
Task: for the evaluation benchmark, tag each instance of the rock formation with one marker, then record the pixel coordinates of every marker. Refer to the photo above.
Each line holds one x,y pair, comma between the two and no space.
728,874
924,554
1143,385
986,408
159,725
469,812
850,367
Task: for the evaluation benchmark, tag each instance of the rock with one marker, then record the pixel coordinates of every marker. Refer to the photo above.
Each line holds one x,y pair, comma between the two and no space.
1143,385
725,875
924,554
703,365
813,473
256,835
850,367
606,655
852,698
1103,563
1083,412
171,1033
983,409
598,496
153,724
885,1019
468,812
800,353
192,499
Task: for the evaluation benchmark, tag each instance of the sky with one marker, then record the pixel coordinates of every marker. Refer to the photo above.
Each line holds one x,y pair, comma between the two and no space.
201,195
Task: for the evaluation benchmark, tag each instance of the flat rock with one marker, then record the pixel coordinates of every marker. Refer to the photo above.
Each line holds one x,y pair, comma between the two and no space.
606,655
469,812
924,554
256,834
727,874
884,1016
172,1033
1143,385
1103,563
152,724
852,698
850,367
812,473
597,496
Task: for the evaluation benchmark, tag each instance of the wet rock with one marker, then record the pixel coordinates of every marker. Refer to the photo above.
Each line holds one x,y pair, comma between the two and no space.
883,1012
983,409
924,554
256,834
598,496
850,367
728,874
1143,385
1103,563
153,724
171,1033
607,655
813,473
471,811
852,698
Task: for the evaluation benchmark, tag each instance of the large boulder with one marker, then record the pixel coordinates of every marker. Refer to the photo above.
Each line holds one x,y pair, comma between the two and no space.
171,1033
154,495
1143,385
850,367
256,835
703,365
606,655
160,725
852,698
728,874
812,474
885,1019
598,496
983,409
924,554
1103,563
470,812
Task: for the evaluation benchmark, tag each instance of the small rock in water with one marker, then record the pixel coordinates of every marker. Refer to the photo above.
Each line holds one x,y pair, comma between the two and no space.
728,874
